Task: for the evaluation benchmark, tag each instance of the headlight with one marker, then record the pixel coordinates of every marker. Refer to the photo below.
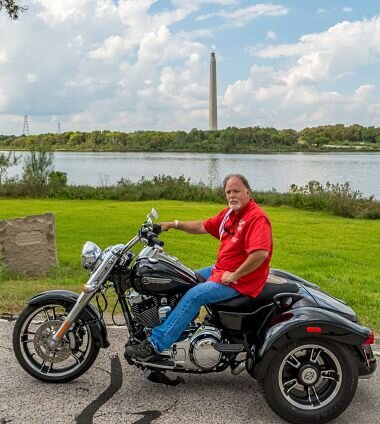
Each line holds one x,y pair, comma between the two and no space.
90,254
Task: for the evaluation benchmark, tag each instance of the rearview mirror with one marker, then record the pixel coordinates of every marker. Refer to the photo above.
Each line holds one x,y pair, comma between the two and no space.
153,214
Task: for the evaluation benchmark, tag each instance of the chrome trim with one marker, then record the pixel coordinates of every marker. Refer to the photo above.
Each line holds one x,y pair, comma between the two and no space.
101,273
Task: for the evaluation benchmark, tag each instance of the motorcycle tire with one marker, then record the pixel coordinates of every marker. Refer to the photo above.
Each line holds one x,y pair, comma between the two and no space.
70,359
311,381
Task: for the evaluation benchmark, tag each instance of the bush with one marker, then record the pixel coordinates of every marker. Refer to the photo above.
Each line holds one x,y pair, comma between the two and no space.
338,199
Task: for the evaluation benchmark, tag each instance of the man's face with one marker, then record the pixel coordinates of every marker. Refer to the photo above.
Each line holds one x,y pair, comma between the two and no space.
236,193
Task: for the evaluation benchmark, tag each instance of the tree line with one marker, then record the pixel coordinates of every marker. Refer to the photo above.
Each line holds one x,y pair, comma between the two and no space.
231,139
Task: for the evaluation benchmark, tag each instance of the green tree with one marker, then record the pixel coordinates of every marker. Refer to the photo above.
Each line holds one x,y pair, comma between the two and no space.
12,8
6,161
37,166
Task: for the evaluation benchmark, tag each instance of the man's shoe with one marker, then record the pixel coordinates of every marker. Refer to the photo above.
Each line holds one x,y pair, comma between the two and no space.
143,351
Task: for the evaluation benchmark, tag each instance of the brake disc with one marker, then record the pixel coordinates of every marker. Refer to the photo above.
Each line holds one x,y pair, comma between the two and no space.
42,346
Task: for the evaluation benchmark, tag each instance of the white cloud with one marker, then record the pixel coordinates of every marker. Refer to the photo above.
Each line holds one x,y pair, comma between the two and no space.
110,48
3,57
344,47
105,9
242,16
200,2
31,78
299,94
363,92
271,35
59,11
347,9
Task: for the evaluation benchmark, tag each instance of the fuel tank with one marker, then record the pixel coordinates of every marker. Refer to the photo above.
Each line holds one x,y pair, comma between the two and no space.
156,272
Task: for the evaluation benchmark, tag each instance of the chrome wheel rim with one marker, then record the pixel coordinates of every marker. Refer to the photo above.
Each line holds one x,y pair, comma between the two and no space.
310,377
63,360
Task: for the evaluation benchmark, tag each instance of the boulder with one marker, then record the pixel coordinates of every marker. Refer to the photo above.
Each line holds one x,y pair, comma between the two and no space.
27,245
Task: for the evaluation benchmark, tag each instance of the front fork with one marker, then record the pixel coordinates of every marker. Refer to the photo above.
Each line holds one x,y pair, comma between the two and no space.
97,279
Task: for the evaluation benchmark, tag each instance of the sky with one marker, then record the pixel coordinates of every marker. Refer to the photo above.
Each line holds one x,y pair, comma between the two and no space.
128,65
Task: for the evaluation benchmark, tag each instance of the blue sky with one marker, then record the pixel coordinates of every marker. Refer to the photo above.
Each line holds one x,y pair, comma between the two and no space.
140,65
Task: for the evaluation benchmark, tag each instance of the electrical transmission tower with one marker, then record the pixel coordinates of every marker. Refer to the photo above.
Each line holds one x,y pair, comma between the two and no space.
59,128
25,129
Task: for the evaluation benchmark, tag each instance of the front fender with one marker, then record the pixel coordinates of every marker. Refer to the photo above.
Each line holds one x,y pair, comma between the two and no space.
89,313
294,325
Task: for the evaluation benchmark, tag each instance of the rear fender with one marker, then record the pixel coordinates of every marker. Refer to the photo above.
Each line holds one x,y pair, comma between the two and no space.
89,313
294,325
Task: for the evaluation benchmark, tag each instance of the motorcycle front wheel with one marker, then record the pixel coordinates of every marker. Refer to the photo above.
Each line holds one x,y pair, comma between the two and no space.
73,356
311,381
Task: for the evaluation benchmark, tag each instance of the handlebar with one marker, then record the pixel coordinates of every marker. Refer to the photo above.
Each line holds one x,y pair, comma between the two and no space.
156,229
151,236
155,240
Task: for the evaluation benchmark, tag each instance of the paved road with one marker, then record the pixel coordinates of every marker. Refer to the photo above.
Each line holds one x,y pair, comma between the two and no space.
113,392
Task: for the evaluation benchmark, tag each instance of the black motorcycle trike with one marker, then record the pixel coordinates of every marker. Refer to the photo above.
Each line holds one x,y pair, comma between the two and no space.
306,348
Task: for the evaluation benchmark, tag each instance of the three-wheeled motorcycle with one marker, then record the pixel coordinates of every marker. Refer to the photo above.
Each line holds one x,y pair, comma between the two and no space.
306,348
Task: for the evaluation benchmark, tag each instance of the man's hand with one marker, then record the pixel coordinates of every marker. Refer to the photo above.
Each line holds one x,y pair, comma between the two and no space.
165,226
229,278
253,261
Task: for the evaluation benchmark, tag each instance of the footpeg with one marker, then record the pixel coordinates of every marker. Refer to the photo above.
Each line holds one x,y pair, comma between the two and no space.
229,347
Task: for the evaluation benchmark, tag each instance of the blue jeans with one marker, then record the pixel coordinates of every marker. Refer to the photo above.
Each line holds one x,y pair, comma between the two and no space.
164,335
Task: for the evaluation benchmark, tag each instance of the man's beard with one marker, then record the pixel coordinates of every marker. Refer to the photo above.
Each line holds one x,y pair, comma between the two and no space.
235,206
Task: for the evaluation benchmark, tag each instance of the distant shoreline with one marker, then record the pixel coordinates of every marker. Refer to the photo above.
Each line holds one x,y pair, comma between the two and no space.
327,138
340,149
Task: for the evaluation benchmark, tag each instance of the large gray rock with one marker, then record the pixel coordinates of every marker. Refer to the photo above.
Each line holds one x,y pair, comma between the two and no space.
27,245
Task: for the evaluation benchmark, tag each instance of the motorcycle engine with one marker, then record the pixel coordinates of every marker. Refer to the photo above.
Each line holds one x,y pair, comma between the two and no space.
195,350
201,350
151,311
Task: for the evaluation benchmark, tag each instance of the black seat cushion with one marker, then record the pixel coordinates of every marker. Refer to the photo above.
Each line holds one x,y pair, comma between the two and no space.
246,304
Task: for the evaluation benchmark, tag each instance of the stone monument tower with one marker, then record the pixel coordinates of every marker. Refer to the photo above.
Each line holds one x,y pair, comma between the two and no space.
213,113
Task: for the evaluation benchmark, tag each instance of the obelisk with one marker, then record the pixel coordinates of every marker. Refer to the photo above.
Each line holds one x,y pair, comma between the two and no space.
213,113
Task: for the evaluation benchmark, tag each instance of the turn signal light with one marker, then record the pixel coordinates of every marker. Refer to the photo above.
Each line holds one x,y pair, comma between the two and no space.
371,338
314,329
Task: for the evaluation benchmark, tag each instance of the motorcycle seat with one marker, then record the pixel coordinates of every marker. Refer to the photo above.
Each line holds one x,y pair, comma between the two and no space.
247,304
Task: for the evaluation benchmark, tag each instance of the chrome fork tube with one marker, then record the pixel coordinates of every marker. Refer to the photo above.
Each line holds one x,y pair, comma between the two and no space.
90,288
96,280
82,301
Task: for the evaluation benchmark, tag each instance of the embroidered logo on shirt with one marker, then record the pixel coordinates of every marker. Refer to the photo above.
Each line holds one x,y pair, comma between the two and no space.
241,224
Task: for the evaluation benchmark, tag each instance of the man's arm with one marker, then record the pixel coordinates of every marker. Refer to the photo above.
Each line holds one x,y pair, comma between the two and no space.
253,261
192,227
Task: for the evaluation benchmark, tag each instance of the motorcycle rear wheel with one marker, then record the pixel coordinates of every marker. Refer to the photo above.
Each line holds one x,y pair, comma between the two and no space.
311,381
70,359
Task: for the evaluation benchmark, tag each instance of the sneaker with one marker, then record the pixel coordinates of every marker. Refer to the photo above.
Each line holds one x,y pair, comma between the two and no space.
143,351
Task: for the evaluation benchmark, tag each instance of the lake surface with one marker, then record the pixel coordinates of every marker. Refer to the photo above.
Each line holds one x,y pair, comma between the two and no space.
264,171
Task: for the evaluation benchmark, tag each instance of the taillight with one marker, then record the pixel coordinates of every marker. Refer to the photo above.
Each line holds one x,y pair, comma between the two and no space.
371,338
314,329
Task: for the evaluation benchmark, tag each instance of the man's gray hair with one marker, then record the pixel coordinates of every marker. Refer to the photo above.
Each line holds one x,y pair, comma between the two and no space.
241,178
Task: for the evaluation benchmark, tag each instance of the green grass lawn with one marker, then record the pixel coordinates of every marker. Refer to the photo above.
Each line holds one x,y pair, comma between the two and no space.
339,254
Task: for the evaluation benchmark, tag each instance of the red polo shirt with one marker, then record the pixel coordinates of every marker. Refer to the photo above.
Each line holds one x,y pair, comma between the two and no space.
240,233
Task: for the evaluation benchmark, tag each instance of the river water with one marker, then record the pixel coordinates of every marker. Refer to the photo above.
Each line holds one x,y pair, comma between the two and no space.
264,171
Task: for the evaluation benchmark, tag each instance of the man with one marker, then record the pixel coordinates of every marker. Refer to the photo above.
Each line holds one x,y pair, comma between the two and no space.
242,265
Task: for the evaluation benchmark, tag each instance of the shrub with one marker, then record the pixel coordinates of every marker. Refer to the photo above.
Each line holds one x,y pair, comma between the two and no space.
338,199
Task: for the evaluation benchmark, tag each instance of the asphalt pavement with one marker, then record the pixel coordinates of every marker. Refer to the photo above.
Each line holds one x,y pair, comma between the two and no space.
114,392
